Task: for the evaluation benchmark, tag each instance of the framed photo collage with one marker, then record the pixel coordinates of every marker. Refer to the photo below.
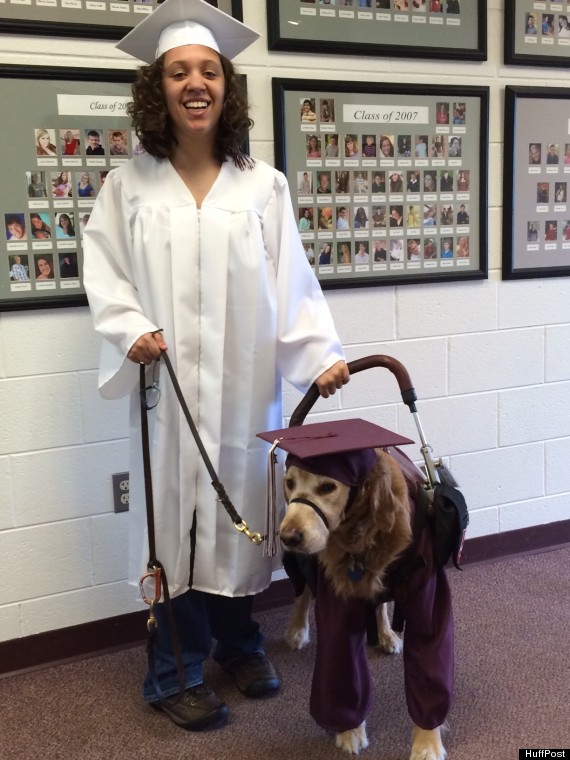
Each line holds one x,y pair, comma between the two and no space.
388,182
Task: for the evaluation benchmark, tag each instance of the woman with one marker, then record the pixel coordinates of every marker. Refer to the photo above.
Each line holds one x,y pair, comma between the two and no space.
563,27
396,183
442,114
313,147
351,146
40,229
44,145
70,144
386,147
44,268
62,186
344,255
65,228
240,308
462,249
305,221
84,187
361,219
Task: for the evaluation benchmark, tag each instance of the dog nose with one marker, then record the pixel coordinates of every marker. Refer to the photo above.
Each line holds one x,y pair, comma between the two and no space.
292,538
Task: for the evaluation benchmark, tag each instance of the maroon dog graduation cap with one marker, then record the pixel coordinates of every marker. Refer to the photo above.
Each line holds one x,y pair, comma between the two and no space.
340,449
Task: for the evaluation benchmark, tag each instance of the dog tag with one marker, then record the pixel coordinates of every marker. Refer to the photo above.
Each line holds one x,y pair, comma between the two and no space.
355,570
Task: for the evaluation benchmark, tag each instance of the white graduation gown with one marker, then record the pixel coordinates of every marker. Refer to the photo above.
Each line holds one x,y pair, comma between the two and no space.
231,287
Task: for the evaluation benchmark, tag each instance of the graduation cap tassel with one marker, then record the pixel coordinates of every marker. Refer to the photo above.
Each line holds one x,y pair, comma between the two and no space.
270,548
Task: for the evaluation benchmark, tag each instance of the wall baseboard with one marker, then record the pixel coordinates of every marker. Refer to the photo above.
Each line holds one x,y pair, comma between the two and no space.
103,636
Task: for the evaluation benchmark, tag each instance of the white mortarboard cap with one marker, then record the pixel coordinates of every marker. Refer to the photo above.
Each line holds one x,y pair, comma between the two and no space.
186,22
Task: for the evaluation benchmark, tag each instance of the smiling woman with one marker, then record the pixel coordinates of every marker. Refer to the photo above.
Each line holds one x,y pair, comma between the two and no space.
193,248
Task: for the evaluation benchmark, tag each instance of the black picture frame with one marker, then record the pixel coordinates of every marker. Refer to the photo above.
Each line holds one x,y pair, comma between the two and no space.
536,180
306,26
35,195
90,19
547,45
435,217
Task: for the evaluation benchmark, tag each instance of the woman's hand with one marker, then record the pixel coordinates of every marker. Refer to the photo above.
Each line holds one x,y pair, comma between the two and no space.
147,348
333,379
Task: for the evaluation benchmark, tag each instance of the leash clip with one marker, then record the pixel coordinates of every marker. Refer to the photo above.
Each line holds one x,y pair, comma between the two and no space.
243,527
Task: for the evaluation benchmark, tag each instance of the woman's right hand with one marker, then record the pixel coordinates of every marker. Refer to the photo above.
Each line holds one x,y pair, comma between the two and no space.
147,348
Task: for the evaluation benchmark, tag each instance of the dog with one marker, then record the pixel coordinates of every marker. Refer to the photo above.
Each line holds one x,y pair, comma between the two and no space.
360,537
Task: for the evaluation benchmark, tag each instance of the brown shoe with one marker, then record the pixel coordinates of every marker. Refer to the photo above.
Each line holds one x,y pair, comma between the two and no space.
198,708
254,675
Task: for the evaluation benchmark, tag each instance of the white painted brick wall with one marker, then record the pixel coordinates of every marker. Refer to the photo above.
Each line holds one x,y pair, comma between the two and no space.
490,361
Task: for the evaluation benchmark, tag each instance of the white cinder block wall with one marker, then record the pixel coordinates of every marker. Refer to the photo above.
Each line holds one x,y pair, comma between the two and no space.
490,361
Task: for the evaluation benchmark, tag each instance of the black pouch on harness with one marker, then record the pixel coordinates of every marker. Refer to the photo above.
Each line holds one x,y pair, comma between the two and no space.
451,519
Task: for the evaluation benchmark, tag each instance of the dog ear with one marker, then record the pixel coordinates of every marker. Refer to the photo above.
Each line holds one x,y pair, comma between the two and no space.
383,498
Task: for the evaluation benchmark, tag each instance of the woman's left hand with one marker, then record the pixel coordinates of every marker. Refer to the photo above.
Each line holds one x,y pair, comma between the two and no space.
333,379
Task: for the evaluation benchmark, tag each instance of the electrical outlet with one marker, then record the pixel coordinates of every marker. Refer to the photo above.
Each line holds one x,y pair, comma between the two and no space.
121,491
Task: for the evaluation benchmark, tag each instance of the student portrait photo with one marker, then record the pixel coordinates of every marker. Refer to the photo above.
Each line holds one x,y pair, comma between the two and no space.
61,187
542,192
534,153
70,144
45,142
68,267
118,142
325,220
446,181
85,184
304,183
19,268
305,219
313,146
94,143
324,183
36,184
43,264
331,146
442,113
386,144
64,226
552,156
308,115
15,225
326,110
532,232
454,147
40,226
344,253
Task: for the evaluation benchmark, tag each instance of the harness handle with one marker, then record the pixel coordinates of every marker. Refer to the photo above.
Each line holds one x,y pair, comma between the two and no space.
366,362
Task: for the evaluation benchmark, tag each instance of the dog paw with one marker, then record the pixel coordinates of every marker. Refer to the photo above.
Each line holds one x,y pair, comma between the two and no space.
426,745
297,638
353,740
389,642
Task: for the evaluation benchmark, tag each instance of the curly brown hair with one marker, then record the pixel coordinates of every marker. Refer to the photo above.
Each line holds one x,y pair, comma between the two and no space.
153,126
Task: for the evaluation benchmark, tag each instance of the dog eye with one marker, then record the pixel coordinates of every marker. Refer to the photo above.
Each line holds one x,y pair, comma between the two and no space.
290,483
326,488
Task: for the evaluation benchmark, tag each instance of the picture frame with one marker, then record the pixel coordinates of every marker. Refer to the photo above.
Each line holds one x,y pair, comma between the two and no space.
406,28
537,33
91,19
388,181
536,180
59,121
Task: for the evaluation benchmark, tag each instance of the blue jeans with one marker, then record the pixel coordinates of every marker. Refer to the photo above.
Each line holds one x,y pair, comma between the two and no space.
199,617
